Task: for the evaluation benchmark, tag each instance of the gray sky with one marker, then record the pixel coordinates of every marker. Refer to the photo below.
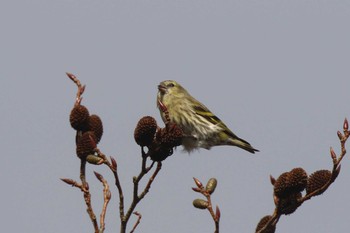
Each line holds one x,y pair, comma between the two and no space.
276,72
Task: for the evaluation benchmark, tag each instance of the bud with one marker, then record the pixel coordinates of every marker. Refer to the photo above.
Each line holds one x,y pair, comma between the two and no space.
272,180
114,163
317,180
95,125
198,183
87,187
79,117
200,204
198,190
93,159
98,176
108,195
211,185
263,222
346,124
69,181
85,145
333,155
145,131
340,135
217,213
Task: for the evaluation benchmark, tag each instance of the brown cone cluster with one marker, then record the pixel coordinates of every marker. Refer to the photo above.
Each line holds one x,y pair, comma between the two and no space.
171,136
317,180
287,183
262,223
89,130
288,188
159,141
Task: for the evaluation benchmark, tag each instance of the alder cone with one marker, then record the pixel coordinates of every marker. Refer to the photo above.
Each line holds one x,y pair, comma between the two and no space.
86,145
317,180
145,131
78,117
95,125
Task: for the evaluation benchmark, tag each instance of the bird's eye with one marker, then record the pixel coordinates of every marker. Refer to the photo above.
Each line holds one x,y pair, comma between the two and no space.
171,85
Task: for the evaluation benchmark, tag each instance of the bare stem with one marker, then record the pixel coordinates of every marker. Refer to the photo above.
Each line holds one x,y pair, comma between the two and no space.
139,216
113,167
136,197
106,198
87,195
81,88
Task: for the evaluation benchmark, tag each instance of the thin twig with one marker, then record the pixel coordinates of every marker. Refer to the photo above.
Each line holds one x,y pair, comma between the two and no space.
150,181
84,187
81,88
87,195
336,164
106,198
139,216
137,198
215,215
113,167
335,172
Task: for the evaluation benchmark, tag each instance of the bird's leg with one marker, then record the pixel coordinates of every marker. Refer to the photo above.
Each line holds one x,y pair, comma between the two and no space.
164,109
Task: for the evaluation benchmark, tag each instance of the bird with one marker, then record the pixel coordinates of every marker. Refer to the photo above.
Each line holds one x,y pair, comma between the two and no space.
201,128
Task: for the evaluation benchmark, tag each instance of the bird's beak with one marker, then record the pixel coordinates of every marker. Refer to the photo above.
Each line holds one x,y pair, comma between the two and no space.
162,89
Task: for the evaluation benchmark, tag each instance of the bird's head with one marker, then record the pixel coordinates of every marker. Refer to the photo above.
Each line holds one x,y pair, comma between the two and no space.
170,87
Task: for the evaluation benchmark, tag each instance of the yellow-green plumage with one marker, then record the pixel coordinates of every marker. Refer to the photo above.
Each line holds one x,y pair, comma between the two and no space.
201,127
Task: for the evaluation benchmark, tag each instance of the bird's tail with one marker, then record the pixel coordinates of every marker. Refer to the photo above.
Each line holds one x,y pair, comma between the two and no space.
242,144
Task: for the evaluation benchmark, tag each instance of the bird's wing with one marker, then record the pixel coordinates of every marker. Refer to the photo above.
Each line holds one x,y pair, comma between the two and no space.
204,112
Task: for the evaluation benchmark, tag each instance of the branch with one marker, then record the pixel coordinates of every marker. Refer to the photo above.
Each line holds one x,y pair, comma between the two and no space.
139,216
202,204
113,167
84,187
293,201
150,181
106,198
87,195
336,162
81,88
137,198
